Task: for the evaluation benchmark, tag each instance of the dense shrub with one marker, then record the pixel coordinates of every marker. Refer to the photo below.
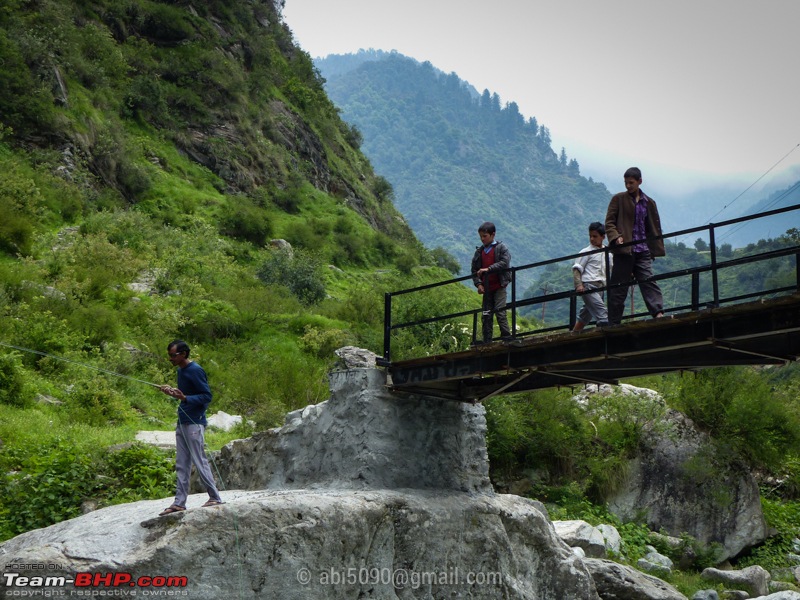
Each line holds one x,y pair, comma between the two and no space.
442,258
25,104
244,220
543,430
299,271
784,517
95,402
20,199
13,388
139,472
51,489
740,409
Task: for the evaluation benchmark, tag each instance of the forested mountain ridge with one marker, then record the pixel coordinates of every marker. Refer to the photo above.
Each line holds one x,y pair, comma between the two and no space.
456,160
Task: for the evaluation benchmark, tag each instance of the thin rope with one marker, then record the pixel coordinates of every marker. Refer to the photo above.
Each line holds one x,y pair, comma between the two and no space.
80,364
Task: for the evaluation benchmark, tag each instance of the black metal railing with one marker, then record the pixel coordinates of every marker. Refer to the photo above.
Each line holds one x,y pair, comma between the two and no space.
514,305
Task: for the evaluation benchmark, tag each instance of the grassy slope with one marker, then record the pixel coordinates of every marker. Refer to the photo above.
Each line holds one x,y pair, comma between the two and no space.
149,153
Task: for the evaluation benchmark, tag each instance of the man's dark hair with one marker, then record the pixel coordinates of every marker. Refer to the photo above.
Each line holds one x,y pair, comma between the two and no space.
598,227
180,346
487,227
634,172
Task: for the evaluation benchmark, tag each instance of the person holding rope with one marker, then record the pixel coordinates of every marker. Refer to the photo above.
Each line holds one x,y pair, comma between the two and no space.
194,395
633,216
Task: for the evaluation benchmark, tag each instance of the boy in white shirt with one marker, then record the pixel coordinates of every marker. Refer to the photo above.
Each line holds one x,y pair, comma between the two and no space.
589,272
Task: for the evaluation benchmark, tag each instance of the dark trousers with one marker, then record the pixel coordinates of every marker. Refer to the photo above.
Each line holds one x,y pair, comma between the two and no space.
638,266
494,303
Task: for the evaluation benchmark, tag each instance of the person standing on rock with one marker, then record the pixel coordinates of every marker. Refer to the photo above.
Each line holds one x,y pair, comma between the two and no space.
194,396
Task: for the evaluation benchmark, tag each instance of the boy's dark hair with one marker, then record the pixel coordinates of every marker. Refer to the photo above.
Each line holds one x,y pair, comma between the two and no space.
598,227
634,172
180,346
487,227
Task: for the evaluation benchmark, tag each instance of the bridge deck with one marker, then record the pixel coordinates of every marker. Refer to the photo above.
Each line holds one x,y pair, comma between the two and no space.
764,332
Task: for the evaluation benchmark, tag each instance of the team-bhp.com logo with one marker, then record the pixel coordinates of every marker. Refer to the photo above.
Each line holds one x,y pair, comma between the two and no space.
94,580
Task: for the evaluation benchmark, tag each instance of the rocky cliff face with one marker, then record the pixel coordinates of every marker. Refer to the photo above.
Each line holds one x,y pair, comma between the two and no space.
365,437
680,483
371,495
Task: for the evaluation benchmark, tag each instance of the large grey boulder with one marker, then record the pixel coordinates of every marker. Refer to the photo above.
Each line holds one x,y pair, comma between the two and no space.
365,437
352,357
579,534
680,484
323,544
754,580
621,582
655,563
367,495
611,539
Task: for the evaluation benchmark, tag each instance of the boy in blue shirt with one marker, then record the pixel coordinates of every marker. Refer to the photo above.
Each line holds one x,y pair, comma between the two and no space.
194,395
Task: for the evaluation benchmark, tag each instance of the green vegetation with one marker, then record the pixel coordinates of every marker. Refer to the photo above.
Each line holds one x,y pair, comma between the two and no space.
573,457
150,151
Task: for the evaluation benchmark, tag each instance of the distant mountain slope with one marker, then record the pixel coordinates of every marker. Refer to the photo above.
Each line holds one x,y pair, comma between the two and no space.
771,227
455,160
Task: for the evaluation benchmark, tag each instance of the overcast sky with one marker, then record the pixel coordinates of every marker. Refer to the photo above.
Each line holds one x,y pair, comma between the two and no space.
681,88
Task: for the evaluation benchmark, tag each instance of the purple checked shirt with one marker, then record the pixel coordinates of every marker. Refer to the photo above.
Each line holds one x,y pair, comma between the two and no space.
638,223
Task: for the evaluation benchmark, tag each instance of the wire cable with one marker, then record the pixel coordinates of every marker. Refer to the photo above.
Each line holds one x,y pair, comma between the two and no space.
785,156
80,364
719,212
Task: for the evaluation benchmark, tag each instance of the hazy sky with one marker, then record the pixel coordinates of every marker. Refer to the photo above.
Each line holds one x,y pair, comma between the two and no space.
681,88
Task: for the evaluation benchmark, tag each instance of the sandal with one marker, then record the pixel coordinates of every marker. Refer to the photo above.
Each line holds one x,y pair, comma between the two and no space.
212,503
172,509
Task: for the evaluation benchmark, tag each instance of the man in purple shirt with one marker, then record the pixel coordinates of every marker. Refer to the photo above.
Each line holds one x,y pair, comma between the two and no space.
632,216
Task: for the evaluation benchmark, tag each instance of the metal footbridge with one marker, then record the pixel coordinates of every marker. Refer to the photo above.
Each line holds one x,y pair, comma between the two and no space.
707,329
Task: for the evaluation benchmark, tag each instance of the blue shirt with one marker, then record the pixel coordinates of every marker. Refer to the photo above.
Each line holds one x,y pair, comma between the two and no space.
192,381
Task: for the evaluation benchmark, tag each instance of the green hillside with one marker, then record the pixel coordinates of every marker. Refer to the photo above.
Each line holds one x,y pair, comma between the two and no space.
150,151
456,159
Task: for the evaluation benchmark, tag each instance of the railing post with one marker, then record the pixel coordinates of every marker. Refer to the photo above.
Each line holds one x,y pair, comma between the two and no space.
387,327
695,291
573,309
714,281
797,269
513,303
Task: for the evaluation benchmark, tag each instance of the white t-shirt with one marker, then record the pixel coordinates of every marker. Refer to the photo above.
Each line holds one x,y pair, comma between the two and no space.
593,266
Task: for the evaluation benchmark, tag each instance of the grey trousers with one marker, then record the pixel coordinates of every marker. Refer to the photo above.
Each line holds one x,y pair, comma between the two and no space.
639,266
494,303
190,448
594,306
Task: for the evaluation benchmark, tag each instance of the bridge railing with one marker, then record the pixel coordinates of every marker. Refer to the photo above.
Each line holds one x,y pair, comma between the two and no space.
712,268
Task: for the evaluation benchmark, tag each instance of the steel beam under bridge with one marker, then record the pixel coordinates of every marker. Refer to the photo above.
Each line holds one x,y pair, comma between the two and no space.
765,332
